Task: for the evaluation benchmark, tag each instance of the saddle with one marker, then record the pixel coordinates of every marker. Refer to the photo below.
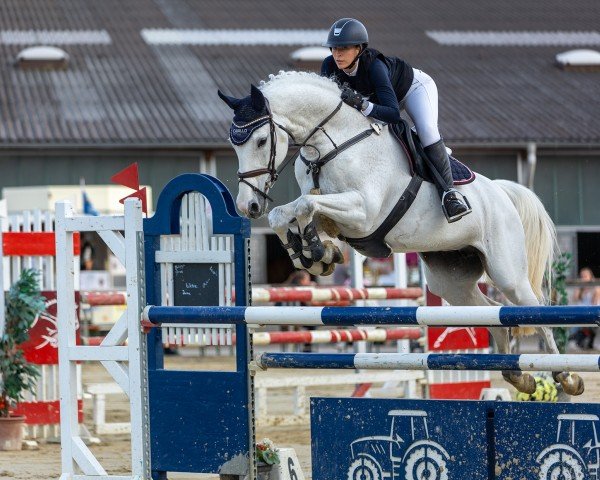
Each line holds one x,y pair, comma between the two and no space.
374,245
411,143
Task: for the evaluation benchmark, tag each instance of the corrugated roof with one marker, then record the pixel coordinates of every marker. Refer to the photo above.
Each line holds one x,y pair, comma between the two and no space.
127,91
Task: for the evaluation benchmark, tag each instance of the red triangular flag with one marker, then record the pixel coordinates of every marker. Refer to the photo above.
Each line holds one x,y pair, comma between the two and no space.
128,177
141,194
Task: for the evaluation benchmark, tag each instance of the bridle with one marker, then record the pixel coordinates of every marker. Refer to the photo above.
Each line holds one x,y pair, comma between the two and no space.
270,168
313,166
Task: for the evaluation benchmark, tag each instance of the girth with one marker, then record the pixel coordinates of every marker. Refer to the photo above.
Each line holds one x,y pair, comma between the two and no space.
373,245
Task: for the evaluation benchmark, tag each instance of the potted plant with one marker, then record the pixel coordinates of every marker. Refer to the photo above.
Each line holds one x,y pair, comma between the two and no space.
23,305
266,457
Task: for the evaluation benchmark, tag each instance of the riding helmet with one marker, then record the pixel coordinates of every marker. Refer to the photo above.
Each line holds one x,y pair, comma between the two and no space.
345,32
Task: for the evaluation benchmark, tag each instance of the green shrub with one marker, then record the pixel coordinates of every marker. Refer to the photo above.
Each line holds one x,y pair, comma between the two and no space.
23,304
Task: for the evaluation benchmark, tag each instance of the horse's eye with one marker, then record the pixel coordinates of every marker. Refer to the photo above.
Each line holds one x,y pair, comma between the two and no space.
261,142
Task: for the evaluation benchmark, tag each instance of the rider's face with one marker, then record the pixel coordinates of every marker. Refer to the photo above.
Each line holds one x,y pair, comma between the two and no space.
343,56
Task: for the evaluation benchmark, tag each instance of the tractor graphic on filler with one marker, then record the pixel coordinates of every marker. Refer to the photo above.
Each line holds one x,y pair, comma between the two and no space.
408,453
576,453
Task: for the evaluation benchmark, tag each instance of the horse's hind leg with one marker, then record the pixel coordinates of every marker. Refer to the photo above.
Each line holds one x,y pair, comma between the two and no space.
454,276
571,383
509,274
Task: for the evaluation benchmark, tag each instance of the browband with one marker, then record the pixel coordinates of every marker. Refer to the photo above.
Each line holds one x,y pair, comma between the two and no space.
240,134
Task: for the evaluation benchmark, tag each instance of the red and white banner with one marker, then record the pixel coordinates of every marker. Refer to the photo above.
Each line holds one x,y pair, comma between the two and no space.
42,349
42,346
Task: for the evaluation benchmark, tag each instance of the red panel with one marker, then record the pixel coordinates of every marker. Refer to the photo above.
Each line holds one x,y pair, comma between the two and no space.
24,244
457,391
45,413
42,346
457,338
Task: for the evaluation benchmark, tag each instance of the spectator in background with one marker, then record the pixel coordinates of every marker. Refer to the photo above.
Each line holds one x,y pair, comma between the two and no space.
87,257
585,295
299,278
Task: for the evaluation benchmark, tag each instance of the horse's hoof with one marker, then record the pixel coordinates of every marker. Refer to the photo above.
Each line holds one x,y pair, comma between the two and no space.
523,382
527,384
572,384
338,256
332,252
328,270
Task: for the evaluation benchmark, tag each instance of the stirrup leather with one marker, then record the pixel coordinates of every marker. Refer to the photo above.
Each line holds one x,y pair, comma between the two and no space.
460,215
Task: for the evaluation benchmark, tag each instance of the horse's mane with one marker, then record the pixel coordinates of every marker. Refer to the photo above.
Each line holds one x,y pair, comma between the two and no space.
291,77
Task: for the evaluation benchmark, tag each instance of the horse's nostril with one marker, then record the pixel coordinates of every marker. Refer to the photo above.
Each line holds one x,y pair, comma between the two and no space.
253,208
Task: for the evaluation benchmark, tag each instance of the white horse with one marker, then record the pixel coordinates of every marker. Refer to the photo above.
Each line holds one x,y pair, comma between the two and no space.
508,236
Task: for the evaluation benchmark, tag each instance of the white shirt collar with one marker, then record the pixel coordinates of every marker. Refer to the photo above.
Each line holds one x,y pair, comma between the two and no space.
354,71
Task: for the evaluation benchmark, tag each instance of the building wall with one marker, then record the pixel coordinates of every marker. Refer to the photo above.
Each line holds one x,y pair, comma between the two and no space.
489,164
569,188
567,184
95,167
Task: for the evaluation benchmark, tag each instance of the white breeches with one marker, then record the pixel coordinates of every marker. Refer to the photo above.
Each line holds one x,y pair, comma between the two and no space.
421,103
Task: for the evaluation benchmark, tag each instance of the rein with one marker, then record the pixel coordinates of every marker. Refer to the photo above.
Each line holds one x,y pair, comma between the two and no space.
314,166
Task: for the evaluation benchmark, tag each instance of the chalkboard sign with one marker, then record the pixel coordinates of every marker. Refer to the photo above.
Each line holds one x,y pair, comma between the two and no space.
196,284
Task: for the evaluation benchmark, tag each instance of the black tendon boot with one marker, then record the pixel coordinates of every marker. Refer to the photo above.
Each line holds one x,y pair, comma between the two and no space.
454,204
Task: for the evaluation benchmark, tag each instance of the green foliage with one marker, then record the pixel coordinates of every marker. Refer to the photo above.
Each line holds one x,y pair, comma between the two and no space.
266,452
560,268
23,305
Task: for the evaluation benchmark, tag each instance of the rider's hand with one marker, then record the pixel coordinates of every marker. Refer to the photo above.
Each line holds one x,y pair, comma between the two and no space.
352,98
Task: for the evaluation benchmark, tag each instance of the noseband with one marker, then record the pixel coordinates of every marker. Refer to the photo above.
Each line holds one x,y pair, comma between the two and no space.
270,168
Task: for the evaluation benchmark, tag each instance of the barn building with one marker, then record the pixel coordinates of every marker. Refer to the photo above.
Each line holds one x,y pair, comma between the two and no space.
87,88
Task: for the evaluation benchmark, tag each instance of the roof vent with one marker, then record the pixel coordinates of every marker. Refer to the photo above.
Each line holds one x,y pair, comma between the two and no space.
580,59
43,57
309,58
310,54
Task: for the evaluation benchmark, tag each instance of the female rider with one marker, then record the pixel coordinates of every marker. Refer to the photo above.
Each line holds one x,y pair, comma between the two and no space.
383,84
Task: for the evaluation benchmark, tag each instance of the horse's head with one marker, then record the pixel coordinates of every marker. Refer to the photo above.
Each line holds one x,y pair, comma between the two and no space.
259,148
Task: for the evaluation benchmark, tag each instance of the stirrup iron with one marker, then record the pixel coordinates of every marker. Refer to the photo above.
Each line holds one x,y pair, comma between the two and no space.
460,215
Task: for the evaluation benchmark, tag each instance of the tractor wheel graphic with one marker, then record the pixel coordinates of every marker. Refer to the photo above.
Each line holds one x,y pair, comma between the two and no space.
561,465
425,463
363,469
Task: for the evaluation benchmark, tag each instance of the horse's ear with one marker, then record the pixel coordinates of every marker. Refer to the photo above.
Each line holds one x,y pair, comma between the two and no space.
258,99
231,101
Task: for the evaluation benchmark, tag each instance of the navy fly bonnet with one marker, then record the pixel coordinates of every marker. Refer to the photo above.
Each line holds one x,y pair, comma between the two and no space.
250,113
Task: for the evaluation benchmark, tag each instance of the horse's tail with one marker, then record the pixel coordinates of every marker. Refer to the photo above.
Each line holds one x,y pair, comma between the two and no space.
540,236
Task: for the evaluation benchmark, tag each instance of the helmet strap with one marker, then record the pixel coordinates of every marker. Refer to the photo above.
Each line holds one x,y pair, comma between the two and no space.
351,66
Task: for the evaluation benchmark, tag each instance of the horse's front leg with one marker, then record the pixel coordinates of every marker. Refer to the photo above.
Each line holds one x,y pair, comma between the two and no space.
283,223
345,209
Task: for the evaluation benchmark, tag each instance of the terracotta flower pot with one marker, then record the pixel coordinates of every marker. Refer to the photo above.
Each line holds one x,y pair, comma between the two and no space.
11,432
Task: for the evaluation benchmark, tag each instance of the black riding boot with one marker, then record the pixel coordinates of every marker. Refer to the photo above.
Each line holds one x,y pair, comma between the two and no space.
454,203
